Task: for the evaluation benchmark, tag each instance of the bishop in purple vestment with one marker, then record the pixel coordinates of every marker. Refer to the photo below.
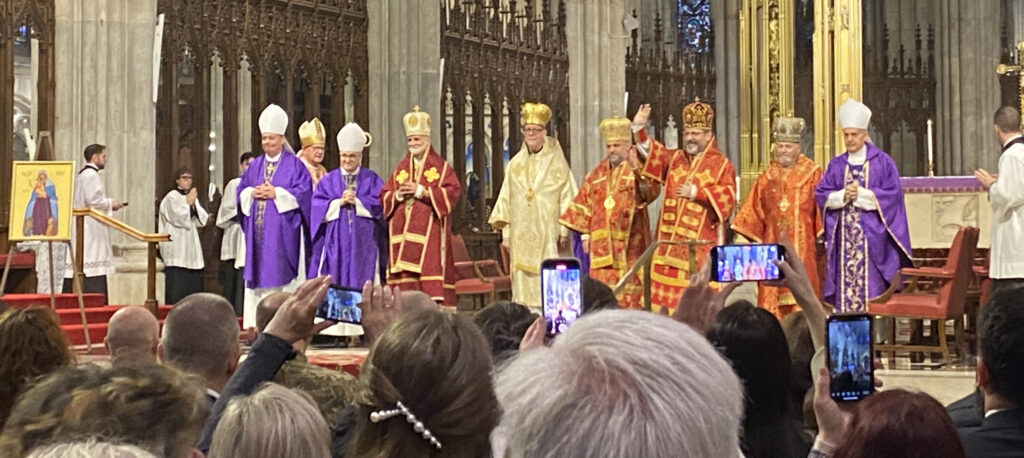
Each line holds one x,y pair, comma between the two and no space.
347,219
274,199
866,234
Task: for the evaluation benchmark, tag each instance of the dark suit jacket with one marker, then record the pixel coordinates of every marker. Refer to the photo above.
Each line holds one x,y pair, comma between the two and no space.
1001,435
967,412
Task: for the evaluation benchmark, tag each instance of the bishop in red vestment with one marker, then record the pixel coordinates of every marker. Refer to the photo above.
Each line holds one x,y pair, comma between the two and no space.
418,200
700,191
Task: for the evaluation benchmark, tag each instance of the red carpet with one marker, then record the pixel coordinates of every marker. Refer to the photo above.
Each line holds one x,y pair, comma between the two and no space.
97,314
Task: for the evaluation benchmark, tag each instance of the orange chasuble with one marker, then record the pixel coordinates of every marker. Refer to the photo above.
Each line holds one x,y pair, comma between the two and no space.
714,178
782,200
420,227
610,208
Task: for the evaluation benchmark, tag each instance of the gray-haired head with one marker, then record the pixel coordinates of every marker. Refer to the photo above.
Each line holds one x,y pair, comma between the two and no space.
622,383
90,449
201,337
274,421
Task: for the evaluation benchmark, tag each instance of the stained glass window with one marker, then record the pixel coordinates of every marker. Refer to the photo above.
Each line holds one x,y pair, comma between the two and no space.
693,21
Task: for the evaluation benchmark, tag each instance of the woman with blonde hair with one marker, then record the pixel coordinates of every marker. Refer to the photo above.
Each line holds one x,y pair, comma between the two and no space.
272,422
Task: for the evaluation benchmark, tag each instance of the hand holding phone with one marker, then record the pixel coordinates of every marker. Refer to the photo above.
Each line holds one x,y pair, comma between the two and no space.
561,282
850,352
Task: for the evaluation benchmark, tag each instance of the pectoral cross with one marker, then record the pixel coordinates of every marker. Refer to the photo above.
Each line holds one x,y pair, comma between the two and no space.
1003,69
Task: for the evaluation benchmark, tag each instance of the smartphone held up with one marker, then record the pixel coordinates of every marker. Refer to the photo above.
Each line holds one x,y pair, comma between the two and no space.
561,281
754,262
850,354
341,305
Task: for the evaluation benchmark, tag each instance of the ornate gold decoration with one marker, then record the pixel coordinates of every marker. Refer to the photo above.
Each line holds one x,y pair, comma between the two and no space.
535,113
403,175
311,133
698,115
1003,69
432,175
416,122
616,129
609,203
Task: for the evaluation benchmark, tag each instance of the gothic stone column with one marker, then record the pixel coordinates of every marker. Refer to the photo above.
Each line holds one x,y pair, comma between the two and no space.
404,65
597,75
104,68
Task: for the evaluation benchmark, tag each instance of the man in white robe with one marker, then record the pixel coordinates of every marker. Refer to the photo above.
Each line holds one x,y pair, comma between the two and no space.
90,192
232,246
180,217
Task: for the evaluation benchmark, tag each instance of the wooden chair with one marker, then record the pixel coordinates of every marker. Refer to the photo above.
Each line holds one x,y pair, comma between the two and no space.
947,303
481,280
984,282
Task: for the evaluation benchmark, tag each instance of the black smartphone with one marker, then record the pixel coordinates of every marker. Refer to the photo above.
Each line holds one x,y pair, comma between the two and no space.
851,367
561,282
341,305
746,262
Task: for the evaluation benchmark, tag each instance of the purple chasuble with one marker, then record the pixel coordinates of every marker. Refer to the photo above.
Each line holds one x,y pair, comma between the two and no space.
273,239
866,248
350,248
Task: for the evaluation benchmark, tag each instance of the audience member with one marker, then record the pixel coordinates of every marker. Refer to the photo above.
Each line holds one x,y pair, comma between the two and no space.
331,390
752,340
201,337
429,390
133,336
272,422
888,424
968,411
597,296
621,383
90,449
155,407
1000,378
504,323
31,345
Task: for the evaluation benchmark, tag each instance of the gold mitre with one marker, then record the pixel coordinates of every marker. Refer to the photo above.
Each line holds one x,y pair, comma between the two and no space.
311,133
535,113
698,115
416,122
788,129
617,129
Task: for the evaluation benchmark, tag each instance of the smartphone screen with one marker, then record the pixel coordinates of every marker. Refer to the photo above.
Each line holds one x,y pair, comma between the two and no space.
746,262
341,305
560,289
850,357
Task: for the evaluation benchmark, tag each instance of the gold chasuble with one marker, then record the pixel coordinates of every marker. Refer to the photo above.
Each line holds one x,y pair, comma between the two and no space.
714,178
420,227
536,190
782,200
612,211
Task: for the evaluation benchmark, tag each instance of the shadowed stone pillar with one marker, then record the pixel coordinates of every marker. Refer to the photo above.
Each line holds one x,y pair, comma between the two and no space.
404,64
725,17
597,75
104,68
967,52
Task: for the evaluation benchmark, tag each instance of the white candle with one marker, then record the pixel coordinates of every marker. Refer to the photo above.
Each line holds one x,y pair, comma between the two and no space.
737,187
931,154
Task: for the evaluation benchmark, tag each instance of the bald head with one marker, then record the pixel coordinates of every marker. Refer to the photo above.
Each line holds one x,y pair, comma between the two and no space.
132,337
414,301
267,308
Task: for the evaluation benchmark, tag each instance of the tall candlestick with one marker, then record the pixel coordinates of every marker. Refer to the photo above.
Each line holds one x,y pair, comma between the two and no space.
931,153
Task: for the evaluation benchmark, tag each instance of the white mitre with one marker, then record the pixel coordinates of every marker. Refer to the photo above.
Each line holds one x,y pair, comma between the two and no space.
853,114
352,138
273,120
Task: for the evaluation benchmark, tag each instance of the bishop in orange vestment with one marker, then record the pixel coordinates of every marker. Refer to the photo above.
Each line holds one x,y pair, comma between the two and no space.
700,191
782,200
418,200
610,211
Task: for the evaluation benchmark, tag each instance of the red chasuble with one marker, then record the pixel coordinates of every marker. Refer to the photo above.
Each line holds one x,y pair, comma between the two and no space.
420,228
684,219
783,200
610,208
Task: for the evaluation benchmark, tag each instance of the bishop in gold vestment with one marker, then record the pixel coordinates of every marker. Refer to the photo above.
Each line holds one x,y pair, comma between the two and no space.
538,187
313,138
611,212
700,191
782,200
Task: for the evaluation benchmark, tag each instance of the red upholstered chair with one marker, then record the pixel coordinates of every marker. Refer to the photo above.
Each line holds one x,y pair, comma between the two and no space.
482,280
946,303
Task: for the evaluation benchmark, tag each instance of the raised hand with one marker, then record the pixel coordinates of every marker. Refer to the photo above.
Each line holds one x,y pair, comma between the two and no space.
643,113
294,320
